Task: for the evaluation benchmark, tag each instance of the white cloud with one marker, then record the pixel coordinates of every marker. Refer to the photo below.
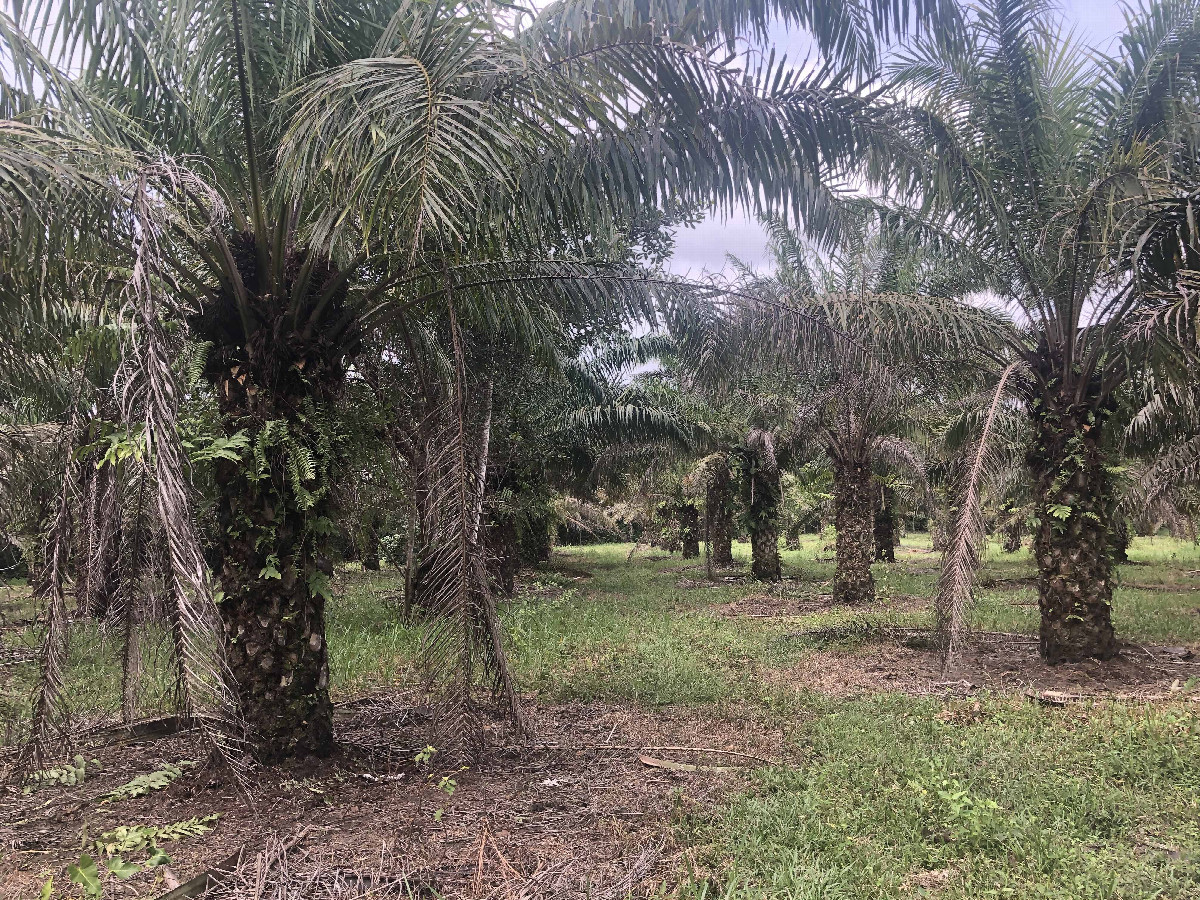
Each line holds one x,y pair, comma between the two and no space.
705,247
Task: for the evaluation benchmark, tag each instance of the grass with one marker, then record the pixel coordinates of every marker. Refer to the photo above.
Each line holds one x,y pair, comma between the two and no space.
889,796
886,795
892,800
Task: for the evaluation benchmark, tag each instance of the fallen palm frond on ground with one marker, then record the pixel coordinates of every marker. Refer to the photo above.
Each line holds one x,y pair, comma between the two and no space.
288,870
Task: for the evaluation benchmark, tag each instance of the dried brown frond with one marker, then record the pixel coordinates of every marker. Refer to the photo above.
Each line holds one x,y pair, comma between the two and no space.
462,631
961,557
149,397
49,710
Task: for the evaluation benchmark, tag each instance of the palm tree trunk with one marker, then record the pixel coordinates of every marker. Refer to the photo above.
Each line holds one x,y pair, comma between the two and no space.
718,510
273,506
940,526
761,491
1070,543
791,537
1012,537
102,566
854,521
1120,540
275,578
764,551
1013,529
503,552
689,529
885,524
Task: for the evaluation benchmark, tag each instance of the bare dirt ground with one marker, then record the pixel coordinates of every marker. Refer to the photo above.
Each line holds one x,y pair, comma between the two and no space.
588,810
1150,673
785,602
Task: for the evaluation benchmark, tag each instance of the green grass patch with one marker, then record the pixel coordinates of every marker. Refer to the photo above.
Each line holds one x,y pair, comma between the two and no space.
892,799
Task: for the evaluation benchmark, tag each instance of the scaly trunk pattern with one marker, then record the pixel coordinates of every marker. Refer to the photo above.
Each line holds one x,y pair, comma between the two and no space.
854,521
885,523
689,529
273,385
718,510
761,492
1070,542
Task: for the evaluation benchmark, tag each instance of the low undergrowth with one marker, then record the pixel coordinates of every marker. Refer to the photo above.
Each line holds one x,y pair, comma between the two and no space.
897,796
880,795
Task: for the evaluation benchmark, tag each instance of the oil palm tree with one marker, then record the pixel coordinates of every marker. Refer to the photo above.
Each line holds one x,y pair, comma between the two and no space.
1039,157
895,340
290,178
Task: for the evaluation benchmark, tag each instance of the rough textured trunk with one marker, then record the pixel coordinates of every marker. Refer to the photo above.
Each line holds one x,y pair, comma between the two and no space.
100,572
1120,539
274,622
276,381
885,523
504,554
689,529
761,492
764,552
1070,543
1013,535
854,521
791,538
939,530
718,511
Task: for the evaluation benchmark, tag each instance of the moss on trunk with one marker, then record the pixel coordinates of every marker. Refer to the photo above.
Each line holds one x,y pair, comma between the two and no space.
274,621
854,521
276,378
885,523
718,510
1070,542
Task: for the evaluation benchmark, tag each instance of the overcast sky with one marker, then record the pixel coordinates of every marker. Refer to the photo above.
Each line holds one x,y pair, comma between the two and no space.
704,247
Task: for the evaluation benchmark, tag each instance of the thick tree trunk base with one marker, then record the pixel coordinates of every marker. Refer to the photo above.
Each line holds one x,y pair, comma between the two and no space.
853,498
1070,543
764,548
1062,640
689,529
718,508
277,656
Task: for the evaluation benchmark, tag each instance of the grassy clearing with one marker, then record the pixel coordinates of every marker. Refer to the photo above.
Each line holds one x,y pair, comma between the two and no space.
882,796
895,798
629,631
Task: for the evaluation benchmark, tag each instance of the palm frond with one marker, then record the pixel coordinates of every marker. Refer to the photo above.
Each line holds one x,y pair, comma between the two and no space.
150,397
49,708
462,633
961,557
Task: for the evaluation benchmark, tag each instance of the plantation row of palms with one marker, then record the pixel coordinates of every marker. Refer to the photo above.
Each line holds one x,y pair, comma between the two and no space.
284,282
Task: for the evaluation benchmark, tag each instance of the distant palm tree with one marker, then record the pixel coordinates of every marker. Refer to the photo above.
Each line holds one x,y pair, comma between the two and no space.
1039,156
894,341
